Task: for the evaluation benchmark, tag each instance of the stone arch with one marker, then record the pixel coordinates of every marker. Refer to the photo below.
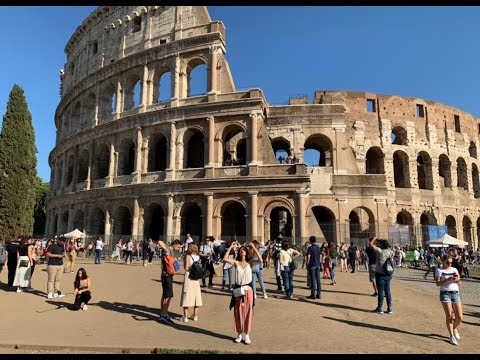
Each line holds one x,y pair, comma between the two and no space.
401,171
472,149
101,162
79,220
234,151
326,221
96,221
122,221
451,224
424,171
426,218
478,233
374,161
462,177
475,181
361,224
266,209
233,220
154,221
70,166
82,163
108,100
318,150
194,140
132,92
197,77
404,218
467,230
76,117
89,107
162,85
399,136
126,157
157,154
445,170
191,220
281,147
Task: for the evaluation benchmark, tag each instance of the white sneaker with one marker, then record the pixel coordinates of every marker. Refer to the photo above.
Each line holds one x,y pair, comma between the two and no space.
60,295
456,334
19,290
50,296
453,341
145,265
183,319
265,296
194,318
85,307
247,340
55,295
238,338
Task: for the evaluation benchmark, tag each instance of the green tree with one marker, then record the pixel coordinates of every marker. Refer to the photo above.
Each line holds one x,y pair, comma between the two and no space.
39,212
17,168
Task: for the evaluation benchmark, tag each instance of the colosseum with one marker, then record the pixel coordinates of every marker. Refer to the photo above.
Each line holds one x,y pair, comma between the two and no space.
139,154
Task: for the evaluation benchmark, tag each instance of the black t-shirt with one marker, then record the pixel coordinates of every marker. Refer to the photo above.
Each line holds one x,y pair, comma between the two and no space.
57,250
372,257
145,246
12,249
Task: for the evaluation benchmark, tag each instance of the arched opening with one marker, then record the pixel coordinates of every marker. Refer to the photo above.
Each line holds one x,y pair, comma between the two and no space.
108,100
445,170
154,222
191,222
65,217
82,172
475,181
234,146
126,157
133,93
233,221
399,136
70,164
462,179
162,90
75,122
374,161
281,222
197,78
79,220
101,162
404,218
281,149
472,149
122,221
478,233
326,222
158,153
467,230
424,170
59,175
451,225
89,108
426,219
401,172
195,150
318,151
361,224
97,222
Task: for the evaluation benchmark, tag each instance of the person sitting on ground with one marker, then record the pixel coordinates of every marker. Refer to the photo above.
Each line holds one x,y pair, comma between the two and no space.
82,290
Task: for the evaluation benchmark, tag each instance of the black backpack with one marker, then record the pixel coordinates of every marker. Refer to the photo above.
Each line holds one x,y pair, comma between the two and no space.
388,267
196,270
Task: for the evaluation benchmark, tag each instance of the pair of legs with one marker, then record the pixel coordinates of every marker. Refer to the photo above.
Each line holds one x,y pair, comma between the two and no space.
208,266
278,275
287,276
326,271
343,265
383,286
228,273
128,257
332,272
430,269
185,311
72,255
83,298
167,294
352,264
54,277
243,313
98,256
258,273
316,287
451,321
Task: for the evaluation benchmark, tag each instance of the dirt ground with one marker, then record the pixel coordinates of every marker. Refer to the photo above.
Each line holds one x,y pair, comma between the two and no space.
125,307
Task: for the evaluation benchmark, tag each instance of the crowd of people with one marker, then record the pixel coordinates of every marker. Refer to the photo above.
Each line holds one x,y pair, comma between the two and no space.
241,266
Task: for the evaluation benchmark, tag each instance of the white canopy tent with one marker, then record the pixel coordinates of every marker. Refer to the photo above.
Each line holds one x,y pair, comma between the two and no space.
75,234
445,241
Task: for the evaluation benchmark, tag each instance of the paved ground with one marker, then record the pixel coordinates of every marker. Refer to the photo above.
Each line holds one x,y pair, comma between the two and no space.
125,306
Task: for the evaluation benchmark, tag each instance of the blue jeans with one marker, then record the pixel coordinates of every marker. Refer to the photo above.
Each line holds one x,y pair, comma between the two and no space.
316,285
257,270
98,256
228,272
287,276
332,269
383,287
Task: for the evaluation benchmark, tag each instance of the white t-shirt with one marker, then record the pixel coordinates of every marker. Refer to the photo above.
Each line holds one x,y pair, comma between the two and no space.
129,246
99,245
443,274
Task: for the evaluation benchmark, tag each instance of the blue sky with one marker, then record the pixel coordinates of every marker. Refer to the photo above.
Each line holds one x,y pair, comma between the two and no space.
425,52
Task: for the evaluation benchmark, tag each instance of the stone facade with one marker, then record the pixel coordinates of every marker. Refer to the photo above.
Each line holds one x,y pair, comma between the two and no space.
130,162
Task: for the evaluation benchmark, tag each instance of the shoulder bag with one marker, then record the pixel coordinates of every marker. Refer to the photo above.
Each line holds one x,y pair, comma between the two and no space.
293,264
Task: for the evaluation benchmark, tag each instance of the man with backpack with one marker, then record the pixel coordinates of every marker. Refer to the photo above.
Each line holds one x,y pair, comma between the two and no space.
352,256
383,273
167,278
206,256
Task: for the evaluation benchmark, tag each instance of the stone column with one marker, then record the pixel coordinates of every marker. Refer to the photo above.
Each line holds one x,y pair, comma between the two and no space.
64,172
108,226
59,221
176,81
209,222
253,214
267,229
137,178
214,51
75,170
145,155
118,105
253,137
170,171
301,194
170,208
90,167
136,213
145,101
97,105
211,141
111,166
71,217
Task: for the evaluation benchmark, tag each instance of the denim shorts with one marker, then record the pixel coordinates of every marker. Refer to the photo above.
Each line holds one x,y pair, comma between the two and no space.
450,297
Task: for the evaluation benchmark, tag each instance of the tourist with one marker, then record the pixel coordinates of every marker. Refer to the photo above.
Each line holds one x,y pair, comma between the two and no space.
55,254
464,264
448,278
167,281
116,253
33,256
398,256
257,270
325,261
90,249
276,262
243,305
313,267
129,252
71,249
456,260
206,256
287,254
343,257
304,253
228,268
24,263
151,250
12,259
382,279
332,255
82,287
431,263
137,249
417,257
187,242
352,255
98,250
191,293
145,251
372,266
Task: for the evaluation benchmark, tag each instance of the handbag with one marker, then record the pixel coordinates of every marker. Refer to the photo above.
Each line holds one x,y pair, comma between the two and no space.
293,264
240,291
24,263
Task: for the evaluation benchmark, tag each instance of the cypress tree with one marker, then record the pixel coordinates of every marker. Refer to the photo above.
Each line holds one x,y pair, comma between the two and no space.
17,168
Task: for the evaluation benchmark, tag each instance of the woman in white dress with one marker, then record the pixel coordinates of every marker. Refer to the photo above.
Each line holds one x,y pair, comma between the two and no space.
191,293
116,252
24,264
